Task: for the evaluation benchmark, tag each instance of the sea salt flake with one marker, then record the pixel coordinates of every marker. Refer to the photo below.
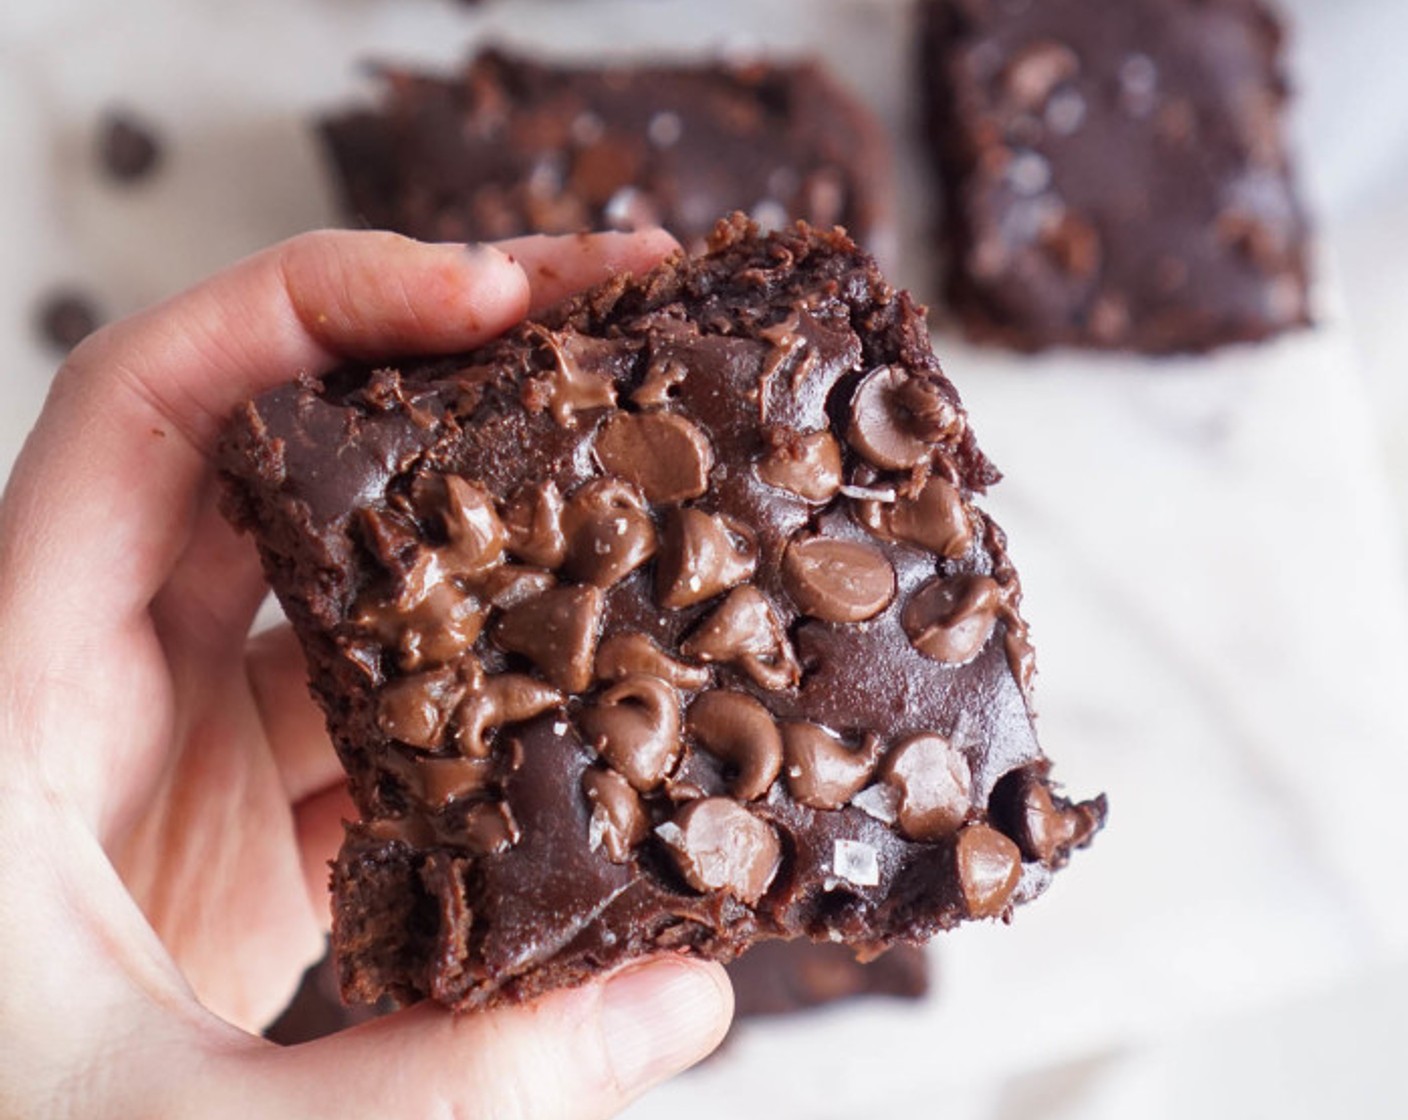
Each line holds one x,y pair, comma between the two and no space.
671,833
869,494
880,801
559,728
856,862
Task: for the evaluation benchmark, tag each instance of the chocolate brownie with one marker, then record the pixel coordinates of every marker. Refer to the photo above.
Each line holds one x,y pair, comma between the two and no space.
1116,175
514,146
666,621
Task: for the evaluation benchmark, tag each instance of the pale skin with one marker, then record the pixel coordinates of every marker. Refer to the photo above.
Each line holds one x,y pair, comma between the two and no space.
168,796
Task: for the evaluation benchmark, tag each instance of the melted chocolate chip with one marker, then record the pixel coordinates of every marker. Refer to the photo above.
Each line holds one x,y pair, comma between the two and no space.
493,701
583,377
702,554
822,771
934,783
473,526
438,781
718,845
951,620
489,829
624,655
1045,828
745,631
439,628
989,868
836,580
533,522
934,519
664,454
415,709
635,726
609,533
618,821
557,631
734,727
506,586
806,465
881,428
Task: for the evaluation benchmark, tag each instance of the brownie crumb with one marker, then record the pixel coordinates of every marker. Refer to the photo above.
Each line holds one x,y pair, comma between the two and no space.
128,148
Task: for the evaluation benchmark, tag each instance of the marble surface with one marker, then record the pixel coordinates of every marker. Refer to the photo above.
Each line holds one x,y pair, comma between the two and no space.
1211,551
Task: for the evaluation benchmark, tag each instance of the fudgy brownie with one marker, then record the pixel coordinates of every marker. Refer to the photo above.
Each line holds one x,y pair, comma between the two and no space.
1115,174
515,146
664,622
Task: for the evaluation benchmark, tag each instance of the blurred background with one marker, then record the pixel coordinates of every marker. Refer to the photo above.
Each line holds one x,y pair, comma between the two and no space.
1212,548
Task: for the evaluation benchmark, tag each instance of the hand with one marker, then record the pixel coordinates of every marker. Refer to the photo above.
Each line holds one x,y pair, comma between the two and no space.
168,796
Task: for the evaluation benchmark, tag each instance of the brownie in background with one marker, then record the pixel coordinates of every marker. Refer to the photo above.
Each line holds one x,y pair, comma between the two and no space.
512,146
1115,175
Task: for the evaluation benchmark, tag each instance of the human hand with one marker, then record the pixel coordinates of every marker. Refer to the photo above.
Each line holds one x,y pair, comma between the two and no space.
168,796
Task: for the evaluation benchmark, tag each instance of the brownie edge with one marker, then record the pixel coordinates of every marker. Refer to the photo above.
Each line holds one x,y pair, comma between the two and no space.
665,622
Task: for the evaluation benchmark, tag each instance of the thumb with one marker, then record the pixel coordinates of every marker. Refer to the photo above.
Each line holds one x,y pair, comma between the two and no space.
573,1055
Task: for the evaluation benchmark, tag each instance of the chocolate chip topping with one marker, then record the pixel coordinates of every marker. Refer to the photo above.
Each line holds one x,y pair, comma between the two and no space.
438,781
608,531
702,554
664,454
414,709
557,631
934,783
625,655
582,377
837,580
934,519
493,701
882,428
533,522
489,828
635,726
718,845
473,526
822,771
744,630
736,728
952,619
618,821
806,465
1045,827
989,868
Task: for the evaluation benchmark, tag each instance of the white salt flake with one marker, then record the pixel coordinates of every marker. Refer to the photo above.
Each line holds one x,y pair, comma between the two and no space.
880,801
596,828
671,833
869,494
559,728
856,862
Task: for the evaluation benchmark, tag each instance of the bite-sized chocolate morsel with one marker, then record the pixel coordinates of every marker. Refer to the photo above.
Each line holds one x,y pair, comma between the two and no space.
1116,175
128,148
952,619
734,727
934,784
66,317
608,531
557,631
718,845
744,630
619,821
664,454
837,580
806,465
989,869
635,726
701,555
633,638
822,771
511,145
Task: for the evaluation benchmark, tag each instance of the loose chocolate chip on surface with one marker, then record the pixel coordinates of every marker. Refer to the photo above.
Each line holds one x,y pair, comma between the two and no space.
806,465
127,147
624,655
837,580
635,727
745,631
822,771
702,554
608,531
951,620
66,317
557,631
935,519
989,867
618,820
734,727
718,845
934,785
664,454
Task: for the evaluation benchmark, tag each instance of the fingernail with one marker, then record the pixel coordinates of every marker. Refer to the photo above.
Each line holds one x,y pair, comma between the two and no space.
660,1018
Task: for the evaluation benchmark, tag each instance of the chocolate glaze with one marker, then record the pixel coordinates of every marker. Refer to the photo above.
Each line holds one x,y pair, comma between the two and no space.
617,761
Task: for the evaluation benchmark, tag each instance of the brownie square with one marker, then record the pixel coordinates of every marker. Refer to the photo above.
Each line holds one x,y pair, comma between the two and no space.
665,622
512,146
1115,174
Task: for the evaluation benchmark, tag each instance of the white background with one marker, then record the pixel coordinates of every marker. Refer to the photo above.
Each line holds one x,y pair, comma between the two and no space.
1211,551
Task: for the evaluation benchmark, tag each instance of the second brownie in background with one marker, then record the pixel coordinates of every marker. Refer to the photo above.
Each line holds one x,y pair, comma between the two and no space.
513,146
1115,174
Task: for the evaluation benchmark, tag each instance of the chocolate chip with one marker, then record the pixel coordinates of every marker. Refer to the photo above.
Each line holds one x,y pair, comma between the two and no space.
1044,827
951,620
507,586
495,700
66,317
664,454
438,781
989,868
557,632
718,845
836,580
701,555
608,532
930,411
659,384
744,630
415,709
882,429
127,147
734,727
625,654
533,523
935,519
575,385
489,828
436,629
476,535
934,784
635,727
618,820
1036,70
822,771
806,465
